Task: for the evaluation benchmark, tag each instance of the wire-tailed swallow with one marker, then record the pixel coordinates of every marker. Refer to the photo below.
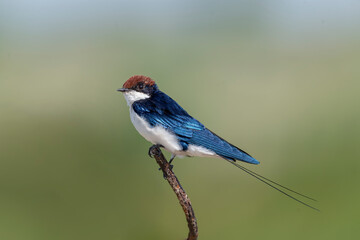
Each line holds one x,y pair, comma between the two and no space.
161,120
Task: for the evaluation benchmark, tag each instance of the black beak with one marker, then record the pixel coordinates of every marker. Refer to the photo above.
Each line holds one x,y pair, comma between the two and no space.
123,89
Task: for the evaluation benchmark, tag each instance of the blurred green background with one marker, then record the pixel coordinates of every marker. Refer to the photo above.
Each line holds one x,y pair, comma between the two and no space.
279,79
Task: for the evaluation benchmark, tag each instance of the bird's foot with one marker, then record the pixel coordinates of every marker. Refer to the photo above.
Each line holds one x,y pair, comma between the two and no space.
172,158
154,150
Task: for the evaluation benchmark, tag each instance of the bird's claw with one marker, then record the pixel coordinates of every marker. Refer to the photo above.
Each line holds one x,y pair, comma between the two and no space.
154,150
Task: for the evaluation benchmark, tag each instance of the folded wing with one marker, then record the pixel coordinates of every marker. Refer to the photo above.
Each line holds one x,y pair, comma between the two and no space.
162,110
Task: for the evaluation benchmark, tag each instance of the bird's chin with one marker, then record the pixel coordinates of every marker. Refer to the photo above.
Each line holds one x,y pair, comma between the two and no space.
133,96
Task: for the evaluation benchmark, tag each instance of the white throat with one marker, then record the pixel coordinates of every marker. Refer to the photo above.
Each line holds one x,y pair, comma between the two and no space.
133,96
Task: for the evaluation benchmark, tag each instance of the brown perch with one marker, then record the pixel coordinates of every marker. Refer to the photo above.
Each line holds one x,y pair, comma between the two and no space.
184,200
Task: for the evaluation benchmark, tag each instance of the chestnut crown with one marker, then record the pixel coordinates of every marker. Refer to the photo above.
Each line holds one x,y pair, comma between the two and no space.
139,83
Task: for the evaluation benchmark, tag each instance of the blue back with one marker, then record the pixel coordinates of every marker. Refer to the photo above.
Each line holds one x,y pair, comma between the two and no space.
162,110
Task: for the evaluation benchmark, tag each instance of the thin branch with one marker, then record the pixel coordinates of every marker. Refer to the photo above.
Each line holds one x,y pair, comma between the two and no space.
184,200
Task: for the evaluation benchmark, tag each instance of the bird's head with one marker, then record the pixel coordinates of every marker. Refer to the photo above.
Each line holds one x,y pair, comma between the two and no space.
138,87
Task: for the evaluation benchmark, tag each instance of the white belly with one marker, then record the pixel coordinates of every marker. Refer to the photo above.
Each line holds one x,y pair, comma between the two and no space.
196,151
159,135
155,135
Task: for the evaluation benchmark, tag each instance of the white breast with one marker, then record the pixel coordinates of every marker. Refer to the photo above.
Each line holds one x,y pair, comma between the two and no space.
159,135
155,135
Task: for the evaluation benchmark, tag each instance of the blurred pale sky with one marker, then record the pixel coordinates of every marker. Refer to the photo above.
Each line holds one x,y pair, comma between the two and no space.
286,19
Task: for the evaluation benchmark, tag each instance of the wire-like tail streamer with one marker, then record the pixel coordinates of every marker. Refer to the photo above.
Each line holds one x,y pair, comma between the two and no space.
268,182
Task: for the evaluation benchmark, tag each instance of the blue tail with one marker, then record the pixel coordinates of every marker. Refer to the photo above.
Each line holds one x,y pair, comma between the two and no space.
213,142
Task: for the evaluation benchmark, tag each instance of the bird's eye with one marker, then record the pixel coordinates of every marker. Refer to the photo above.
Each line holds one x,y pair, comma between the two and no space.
140,86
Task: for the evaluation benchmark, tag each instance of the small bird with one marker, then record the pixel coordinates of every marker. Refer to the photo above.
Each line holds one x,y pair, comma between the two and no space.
163,122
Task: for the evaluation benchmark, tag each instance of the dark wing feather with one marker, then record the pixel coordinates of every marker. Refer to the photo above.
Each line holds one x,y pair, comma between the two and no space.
209,140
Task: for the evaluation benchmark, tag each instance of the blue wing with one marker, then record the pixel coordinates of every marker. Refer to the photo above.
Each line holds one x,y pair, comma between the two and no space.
162,110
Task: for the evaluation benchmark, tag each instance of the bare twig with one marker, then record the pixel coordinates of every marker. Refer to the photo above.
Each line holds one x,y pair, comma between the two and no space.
179,191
